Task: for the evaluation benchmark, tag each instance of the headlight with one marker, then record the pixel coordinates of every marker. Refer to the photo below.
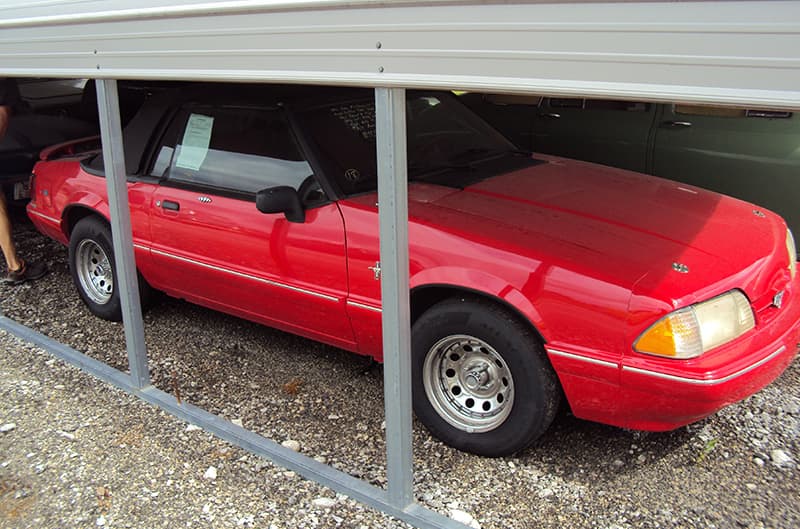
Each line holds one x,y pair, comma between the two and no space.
690,332
792,249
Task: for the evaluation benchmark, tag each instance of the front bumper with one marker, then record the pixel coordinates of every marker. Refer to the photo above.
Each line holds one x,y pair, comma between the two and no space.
663,394
645,392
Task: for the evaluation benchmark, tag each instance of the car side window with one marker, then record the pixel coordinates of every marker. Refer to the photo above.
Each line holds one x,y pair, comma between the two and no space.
711,111
600,104
241,150
729,112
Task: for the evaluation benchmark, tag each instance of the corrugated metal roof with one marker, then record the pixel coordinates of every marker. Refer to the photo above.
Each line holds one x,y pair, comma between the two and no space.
723,52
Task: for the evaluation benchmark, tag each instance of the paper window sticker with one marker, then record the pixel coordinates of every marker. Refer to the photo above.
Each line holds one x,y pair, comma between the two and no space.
196,138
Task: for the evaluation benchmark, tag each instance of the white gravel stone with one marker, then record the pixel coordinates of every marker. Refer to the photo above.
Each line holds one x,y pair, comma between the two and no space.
66,435
780,458
245,520
291,445
465,518
192,428
101,521
546,493
238,422
7,427
211,474
324,503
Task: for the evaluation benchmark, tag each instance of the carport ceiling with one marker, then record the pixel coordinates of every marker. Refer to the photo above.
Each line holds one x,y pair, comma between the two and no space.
716,52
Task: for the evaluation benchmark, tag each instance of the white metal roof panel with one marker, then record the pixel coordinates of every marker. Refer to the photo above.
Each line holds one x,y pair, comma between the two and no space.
728,52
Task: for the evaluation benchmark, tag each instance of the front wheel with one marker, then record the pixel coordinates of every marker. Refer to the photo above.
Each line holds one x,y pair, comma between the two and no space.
482,383
91,264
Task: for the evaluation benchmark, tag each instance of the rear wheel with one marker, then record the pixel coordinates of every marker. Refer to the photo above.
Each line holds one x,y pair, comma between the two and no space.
91,263
482,383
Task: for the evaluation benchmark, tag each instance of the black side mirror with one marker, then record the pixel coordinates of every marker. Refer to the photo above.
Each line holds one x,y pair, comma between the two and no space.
281,199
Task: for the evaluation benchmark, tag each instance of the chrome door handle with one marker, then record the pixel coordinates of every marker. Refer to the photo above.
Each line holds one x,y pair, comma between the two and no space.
551,115
677,124
170,205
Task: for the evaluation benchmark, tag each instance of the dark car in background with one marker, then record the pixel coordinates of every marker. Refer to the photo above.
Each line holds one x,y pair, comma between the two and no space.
746,153
55,111
52,111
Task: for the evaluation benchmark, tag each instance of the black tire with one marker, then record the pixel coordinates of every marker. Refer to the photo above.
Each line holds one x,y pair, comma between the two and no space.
477,351
93,271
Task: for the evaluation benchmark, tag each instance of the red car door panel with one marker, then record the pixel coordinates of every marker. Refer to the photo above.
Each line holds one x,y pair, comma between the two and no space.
211,245
223,252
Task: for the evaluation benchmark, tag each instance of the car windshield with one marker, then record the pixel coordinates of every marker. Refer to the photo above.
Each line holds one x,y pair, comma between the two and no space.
447,143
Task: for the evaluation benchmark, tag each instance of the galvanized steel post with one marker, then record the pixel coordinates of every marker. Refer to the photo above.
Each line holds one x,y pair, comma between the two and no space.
125,277
390,126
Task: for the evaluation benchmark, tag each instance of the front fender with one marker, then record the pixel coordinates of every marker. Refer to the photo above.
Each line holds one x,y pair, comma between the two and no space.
482,283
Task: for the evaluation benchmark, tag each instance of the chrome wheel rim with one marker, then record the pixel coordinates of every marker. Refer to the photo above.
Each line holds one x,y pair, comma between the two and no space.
468,383
94,272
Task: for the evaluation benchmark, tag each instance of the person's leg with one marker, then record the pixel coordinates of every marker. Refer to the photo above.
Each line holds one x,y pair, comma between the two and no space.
6,242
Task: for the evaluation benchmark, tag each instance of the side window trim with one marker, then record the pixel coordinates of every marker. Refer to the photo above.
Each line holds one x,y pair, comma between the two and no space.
208,189
305,145
156,142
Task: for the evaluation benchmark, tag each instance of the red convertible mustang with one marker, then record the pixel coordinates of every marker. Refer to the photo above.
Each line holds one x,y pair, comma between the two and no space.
644,303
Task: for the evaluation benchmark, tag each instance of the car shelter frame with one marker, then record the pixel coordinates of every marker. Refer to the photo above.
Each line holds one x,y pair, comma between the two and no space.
729,53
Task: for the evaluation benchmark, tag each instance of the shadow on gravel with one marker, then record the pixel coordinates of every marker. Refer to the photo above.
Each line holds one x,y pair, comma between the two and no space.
573,440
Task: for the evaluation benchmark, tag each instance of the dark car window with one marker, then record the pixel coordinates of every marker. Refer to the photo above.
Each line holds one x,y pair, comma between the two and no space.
599,104
729,112
242,150
446,142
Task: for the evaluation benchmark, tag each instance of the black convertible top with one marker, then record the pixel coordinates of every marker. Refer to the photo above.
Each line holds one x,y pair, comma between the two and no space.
157,109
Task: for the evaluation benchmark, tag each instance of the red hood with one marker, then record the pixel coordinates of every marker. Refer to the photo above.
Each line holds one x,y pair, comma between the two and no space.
620,225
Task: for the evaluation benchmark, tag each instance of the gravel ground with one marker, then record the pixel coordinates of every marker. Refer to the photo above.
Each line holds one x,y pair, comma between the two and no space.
75,452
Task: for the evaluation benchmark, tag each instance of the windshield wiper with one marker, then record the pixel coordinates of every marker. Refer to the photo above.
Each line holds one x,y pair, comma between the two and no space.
481,154
417,170
474,157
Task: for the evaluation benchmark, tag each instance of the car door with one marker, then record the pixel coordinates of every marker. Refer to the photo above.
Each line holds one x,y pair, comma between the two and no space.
212,246
605,131
750,154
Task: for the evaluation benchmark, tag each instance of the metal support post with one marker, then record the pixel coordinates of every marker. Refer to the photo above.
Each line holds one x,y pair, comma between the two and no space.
125,276
390,125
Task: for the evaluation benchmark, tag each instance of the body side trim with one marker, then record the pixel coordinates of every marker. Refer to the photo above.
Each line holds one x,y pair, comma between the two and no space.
363,306
708,381
246,276
45,217
582,358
